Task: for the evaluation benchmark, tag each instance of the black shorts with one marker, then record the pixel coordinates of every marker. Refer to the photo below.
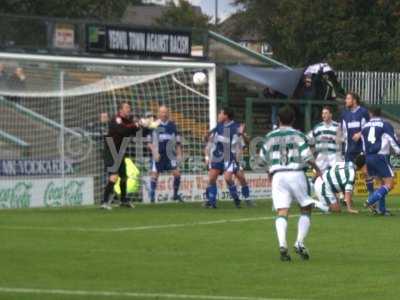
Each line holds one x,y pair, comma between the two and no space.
109,164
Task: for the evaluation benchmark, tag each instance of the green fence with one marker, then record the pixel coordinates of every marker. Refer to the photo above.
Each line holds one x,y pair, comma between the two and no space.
308,112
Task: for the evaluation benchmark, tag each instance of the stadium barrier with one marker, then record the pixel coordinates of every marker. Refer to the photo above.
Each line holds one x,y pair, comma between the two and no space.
373,87
193,187
308,112
361,190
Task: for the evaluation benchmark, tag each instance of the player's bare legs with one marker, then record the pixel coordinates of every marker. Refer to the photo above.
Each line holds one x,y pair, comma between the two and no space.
213,176
228,176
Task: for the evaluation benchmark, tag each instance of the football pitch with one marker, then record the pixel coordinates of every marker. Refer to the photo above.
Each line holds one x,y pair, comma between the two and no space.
175,251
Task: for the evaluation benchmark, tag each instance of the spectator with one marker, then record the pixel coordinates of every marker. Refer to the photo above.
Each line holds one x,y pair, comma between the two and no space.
17,80
104,119
98,129
332,85
3,76
327,85
269,93
319,85
308,90
16,83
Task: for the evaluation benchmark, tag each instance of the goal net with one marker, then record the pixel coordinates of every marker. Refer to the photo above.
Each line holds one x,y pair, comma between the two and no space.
54,115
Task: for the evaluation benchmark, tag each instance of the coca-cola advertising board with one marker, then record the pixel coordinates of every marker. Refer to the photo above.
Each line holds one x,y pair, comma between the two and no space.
56,192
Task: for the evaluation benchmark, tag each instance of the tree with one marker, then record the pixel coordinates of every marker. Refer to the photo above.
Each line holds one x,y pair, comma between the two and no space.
110,10
349,34
183,15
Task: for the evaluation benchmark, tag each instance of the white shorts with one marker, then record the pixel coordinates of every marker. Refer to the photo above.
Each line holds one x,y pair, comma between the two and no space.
324,161
324,192
288,186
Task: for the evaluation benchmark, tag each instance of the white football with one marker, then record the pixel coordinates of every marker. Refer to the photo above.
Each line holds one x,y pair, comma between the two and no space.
154,124
149,123
199,78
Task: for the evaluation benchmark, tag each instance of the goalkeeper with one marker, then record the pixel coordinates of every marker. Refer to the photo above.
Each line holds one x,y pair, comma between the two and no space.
120,127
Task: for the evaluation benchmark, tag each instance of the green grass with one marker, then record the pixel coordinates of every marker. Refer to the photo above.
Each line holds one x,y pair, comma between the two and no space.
352,257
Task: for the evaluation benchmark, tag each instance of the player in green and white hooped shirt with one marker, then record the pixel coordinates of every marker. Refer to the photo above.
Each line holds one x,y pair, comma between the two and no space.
323,137
339,178
287,154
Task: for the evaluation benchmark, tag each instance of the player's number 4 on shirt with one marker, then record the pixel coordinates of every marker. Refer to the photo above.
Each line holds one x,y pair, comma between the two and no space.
371,135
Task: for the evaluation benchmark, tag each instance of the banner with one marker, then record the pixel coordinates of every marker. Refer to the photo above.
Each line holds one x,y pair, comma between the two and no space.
193,187
35,167
64,36
361,190
46,192
130,40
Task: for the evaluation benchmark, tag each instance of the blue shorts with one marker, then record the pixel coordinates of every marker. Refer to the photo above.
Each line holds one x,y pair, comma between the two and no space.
225,166
379,166
163,165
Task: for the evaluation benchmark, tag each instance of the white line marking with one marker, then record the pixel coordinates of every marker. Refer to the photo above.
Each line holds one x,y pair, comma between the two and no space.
150,227
125,294
139,228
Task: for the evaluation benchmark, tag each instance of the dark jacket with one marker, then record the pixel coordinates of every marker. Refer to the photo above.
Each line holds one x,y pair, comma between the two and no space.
119,128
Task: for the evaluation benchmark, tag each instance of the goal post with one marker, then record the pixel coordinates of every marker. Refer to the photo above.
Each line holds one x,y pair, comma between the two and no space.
54,112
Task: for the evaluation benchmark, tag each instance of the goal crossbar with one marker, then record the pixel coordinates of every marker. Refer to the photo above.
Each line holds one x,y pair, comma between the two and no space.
211,68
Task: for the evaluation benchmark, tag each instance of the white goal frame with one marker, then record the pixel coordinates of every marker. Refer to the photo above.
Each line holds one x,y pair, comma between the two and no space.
209,96
211,68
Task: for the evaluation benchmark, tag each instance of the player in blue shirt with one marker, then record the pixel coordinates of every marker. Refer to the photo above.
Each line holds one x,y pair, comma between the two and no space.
164,143
221,150
240,175
378,138
353,118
